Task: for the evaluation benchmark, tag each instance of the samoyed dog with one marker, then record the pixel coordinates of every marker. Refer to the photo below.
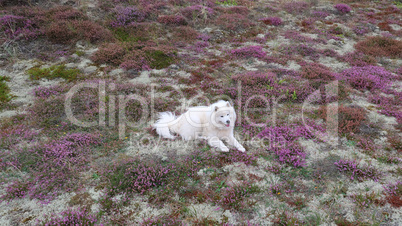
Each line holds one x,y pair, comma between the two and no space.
213,123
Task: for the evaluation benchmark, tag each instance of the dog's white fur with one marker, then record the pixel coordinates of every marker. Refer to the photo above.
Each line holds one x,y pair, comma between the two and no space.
213,123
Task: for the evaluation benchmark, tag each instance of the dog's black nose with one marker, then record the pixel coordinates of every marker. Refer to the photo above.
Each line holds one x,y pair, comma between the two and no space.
227,122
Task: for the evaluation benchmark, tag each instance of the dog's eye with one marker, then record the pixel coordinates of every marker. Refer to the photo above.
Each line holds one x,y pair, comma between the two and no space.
221,116
227,114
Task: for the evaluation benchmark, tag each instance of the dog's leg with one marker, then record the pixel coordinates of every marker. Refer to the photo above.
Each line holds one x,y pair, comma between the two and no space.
215,142
236,144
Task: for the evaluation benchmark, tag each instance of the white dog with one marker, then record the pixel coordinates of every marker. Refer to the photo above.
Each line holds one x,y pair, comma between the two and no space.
214,123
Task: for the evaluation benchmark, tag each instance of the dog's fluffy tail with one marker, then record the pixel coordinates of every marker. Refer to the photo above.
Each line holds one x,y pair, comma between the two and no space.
164,124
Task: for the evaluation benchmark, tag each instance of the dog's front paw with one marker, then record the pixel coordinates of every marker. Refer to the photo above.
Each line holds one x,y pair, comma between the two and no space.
224,149
242,149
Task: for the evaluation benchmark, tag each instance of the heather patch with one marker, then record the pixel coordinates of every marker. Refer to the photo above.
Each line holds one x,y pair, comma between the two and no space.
123,16
52,166
380,46
283,143
296,7
369,77
197,12
173,20
356,172
317,74
235,197
275,21
342,8
358,59
303,50
394,188
137,56
249,51
18,27
71,217
349,119
389,106
234,22
11,136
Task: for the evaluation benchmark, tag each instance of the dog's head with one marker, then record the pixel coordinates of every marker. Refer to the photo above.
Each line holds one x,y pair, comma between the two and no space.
223,115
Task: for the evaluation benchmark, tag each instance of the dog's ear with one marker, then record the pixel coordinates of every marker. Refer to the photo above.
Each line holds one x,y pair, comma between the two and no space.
228,104
216,108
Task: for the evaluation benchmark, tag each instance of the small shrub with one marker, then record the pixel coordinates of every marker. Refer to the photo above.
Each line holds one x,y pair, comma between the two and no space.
111,53
56,71
233,22
197,12
176,20
366,200
369,77
70,31
46,92
53,166
124,16
92,32
242,10
302,49
283,142
296,7
162,220
384,26
66,13
147,57
47,112
186,34
308,23
136,60
394,188
319,14
380,46
233,197
14,2
317,74
394,200
249,51
18,27
285,218
396,142
362,29
71,217
394,193
342,8
359,59
349,118
13,135
356,172
60,32
275,21
137,176
296,36
17,189
280,189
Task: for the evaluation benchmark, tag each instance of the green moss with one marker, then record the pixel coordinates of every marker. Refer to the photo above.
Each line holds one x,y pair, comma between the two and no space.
124,36
56,71
4,91
227,3
159,59
80,53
